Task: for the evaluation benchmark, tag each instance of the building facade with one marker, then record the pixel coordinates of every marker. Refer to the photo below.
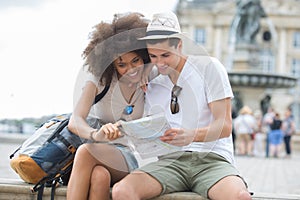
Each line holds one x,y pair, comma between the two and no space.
267,68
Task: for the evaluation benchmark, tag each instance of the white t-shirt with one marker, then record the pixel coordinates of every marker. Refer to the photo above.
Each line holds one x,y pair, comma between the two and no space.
203,80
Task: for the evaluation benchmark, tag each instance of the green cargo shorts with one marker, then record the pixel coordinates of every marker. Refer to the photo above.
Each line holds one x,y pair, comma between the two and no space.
190,171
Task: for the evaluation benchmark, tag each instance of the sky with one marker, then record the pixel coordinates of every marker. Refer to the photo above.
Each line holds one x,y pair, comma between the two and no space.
41,42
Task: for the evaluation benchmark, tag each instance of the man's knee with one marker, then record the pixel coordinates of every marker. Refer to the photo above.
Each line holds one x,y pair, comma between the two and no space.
244,195
121,190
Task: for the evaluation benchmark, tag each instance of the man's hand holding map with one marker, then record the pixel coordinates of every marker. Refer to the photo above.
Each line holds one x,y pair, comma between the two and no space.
144,135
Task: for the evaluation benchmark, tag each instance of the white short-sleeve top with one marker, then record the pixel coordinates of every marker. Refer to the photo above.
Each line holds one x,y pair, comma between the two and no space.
203,80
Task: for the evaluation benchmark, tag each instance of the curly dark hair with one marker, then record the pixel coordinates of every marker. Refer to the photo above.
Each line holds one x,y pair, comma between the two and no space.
109,40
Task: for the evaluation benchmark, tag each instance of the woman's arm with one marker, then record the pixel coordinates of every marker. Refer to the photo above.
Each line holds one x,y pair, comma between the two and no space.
77,123
80,127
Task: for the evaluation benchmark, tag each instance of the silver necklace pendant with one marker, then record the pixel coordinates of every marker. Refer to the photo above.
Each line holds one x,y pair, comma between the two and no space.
128,109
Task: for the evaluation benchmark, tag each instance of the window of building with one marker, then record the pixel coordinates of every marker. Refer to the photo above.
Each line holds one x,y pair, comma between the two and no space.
296,112
297,39
295,70
267,61
200,36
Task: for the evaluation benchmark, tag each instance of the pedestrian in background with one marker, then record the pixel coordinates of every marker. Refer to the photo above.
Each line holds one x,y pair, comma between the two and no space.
233,116
266,122
245,126
258,143
289,129
276,136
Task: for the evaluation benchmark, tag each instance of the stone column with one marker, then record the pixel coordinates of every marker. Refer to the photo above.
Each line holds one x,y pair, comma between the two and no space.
282,51
218,44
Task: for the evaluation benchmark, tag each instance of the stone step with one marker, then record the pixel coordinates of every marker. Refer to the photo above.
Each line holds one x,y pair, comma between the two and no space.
18,190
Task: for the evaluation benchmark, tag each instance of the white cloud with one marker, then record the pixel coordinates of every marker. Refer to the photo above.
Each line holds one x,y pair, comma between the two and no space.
40,51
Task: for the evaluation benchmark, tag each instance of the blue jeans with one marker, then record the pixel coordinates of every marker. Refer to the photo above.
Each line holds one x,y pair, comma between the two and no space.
287,142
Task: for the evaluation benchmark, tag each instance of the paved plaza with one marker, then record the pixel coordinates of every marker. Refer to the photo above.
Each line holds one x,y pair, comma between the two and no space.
271,175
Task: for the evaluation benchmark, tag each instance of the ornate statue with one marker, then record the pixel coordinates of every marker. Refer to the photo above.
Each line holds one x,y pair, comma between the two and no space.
265,104
246,22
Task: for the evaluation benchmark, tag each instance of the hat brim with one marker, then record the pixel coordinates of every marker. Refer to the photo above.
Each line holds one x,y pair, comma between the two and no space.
156,37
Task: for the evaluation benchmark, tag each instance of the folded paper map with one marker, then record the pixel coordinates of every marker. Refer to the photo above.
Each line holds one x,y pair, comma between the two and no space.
144,135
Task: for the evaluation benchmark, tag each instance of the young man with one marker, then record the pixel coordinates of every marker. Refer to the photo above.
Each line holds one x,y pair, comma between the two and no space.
195,95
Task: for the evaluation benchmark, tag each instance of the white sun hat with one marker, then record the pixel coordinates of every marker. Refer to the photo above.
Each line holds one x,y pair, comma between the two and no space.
163,25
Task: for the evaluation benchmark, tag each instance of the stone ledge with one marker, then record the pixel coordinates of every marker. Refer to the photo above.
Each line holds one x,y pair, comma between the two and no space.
18,190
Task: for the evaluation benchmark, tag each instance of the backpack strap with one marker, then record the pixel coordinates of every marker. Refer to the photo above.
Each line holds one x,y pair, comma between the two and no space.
57,131
66,121
41,193
13,154
102,94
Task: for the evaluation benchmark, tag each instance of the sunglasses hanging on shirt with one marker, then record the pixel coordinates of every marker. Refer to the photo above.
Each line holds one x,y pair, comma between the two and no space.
174,106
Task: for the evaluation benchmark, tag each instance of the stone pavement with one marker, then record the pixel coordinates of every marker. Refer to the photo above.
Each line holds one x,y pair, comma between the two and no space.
263,175
271,175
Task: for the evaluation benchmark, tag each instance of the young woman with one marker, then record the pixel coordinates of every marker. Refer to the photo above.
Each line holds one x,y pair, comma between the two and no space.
108,159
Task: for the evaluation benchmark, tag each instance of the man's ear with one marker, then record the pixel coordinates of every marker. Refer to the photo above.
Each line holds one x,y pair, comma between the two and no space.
179,46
